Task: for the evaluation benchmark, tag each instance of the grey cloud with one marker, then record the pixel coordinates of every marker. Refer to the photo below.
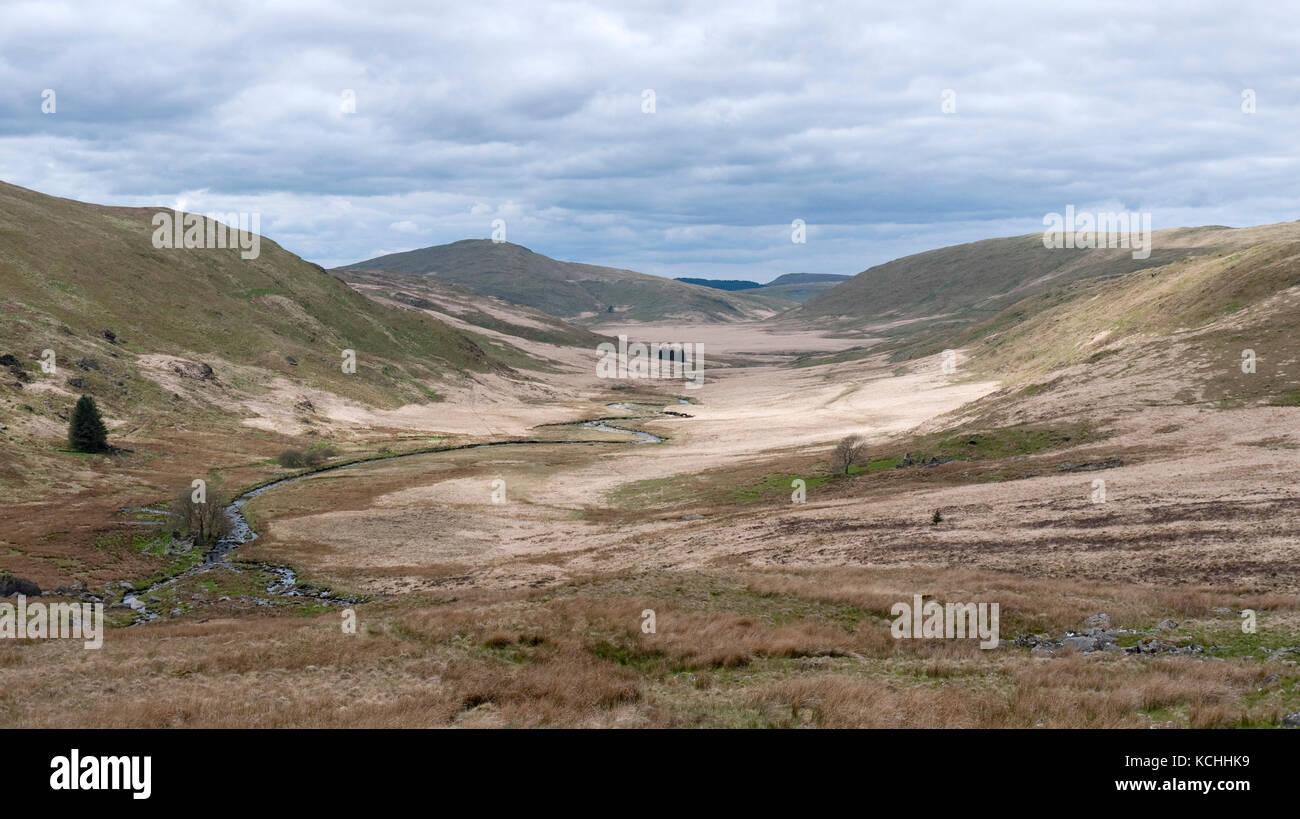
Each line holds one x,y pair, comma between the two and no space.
765,112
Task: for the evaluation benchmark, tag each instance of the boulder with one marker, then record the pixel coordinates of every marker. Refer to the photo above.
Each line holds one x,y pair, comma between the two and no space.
1101,620
193,369
1080,642
10,586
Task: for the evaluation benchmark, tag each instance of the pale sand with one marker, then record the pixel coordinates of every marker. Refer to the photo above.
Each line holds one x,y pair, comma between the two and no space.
740,414
1212,503
734,339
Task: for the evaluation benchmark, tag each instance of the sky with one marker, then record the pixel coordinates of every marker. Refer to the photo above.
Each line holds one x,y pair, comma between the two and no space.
887,128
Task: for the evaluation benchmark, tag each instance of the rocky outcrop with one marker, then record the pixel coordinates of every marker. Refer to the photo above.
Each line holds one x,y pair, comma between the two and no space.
1098,635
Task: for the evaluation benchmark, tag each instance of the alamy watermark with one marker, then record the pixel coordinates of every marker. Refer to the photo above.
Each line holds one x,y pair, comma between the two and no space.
933,620
75,772
53,621
189,231
1099,230
654,360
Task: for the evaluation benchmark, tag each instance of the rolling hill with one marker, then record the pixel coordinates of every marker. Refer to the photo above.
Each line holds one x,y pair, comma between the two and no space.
792,288
567,290
201,343
978,279
76,273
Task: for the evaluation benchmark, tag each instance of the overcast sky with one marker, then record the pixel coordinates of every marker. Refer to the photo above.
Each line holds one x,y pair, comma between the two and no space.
763,113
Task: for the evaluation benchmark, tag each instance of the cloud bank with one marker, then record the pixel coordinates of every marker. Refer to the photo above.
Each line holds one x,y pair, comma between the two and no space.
362,130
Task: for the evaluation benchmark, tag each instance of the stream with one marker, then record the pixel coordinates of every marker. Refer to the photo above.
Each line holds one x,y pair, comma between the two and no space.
285,583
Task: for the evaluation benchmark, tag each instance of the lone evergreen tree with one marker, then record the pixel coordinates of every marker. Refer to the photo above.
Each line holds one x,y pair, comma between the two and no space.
86,431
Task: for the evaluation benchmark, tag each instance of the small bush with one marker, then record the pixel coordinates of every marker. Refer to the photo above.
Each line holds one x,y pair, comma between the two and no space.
312,458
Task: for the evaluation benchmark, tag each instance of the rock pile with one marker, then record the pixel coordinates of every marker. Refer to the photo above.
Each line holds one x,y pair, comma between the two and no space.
1098,635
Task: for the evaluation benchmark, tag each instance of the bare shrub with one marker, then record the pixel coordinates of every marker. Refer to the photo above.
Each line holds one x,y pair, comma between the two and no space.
850,451
207,522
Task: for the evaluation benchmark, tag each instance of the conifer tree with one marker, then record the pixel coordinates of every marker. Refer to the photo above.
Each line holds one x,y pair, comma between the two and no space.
86,430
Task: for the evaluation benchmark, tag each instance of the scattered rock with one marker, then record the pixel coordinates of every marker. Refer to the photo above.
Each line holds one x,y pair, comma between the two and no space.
77,383
1166,625
111,336
292,361
1103,637
1099,620
692,517
1283,650
305,406
1099,636
193,369
1080,642
1291,720
909,460
1031,640
88,364
7,360
1150,645
1091,466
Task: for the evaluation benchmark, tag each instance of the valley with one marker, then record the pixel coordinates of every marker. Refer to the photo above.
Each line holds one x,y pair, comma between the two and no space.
499,520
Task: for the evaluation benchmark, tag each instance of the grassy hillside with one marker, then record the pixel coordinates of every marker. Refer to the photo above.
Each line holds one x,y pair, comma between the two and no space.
566,289
786,290
72,271
429,293
1213,306
978,279
802,287
1169,336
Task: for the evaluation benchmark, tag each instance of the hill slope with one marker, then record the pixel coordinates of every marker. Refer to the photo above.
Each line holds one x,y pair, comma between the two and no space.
72,271
1166,340
977,279
198,345
570,290
787,289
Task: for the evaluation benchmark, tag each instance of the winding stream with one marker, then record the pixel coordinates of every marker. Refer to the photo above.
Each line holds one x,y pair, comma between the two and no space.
285,583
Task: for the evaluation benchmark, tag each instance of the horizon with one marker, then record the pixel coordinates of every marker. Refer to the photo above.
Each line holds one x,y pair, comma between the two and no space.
763,280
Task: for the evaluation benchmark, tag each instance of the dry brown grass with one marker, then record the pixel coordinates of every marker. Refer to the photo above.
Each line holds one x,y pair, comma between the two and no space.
770,648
